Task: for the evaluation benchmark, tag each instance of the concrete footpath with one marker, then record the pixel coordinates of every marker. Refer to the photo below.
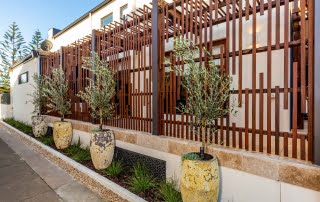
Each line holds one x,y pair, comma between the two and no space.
27,176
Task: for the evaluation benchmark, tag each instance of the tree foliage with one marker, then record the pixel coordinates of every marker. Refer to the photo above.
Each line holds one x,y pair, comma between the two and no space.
36,40
12,49
101,89
208,88
38,96
56,91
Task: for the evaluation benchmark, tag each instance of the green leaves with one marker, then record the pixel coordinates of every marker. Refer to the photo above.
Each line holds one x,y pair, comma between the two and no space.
100,91
12,48
115,169
35,41
141,180
56,91
38,95
207,86
167,191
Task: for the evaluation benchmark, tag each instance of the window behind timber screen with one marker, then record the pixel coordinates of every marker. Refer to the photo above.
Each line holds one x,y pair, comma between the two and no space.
107,20
124,11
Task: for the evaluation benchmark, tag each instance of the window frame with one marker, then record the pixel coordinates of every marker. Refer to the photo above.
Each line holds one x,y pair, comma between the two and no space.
122,8
20,76
101,20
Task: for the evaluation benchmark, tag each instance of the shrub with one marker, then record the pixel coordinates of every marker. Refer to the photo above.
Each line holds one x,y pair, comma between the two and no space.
99,93
141,180
114,169
23,127
38,97
47,140
56,92
167,191
207,86
77,153
190,156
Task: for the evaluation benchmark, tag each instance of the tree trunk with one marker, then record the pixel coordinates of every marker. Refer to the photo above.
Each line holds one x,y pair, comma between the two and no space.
101,120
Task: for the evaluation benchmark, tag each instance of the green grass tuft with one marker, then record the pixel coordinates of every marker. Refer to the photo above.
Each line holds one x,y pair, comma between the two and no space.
23,127
167,191
190,156
115,169
141,180
77,153
47,140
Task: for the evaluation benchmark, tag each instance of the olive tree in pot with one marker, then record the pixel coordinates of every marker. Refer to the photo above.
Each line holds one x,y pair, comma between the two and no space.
208,99
99,96
56,91
39,123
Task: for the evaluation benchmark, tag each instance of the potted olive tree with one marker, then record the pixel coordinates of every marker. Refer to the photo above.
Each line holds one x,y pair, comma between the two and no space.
99,96
39,123
56,91
208,92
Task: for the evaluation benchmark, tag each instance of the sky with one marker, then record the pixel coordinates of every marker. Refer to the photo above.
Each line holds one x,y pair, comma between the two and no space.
31,15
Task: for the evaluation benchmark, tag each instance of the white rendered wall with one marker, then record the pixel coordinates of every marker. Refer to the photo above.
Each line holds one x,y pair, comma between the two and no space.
93,21
235,185
5,111
21,108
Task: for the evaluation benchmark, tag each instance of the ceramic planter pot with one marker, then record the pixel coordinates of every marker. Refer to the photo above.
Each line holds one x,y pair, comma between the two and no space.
39,126
102,145
62,134
200,180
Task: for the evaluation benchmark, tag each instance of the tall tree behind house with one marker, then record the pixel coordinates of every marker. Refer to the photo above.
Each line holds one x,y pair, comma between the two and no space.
36,40
12,49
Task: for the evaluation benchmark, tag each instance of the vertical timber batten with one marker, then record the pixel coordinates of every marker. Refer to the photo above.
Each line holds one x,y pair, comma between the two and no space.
155,68
316,146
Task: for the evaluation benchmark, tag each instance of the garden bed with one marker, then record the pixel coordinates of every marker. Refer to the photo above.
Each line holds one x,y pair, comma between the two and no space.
137,179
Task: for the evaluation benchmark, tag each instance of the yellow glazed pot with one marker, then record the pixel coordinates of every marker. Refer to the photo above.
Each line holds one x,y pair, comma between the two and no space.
200,180
102,145
62,134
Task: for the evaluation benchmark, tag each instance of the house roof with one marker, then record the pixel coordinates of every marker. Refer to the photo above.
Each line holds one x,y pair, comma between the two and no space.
33,54
102,4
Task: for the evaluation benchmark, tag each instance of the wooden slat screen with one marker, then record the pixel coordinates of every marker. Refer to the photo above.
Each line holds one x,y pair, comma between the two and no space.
265,45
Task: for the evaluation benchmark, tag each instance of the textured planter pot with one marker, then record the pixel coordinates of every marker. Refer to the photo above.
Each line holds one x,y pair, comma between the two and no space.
102,145
39,126
62,134
200,180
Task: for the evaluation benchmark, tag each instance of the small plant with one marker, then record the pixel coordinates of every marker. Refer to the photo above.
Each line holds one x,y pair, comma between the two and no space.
23,127
190,156
167,191
115,169
77,153
141,180
208,89
38,96
47,140
101,89
56,91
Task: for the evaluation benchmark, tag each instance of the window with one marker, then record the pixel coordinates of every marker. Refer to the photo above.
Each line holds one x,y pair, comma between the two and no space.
124,11
23,78
106,20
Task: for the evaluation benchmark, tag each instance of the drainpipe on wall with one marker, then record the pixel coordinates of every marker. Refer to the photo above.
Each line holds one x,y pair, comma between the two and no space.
316,110
155,63
90,18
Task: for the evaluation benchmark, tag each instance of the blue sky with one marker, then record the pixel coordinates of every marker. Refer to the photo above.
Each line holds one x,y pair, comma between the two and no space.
41,14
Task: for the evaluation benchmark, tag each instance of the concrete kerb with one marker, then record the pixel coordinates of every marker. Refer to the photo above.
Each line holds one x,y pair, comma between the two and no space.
108,184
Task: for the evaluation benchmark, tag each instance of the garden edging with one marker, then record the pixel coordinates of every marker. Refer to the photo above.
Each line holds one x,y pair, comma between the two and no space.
108,184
